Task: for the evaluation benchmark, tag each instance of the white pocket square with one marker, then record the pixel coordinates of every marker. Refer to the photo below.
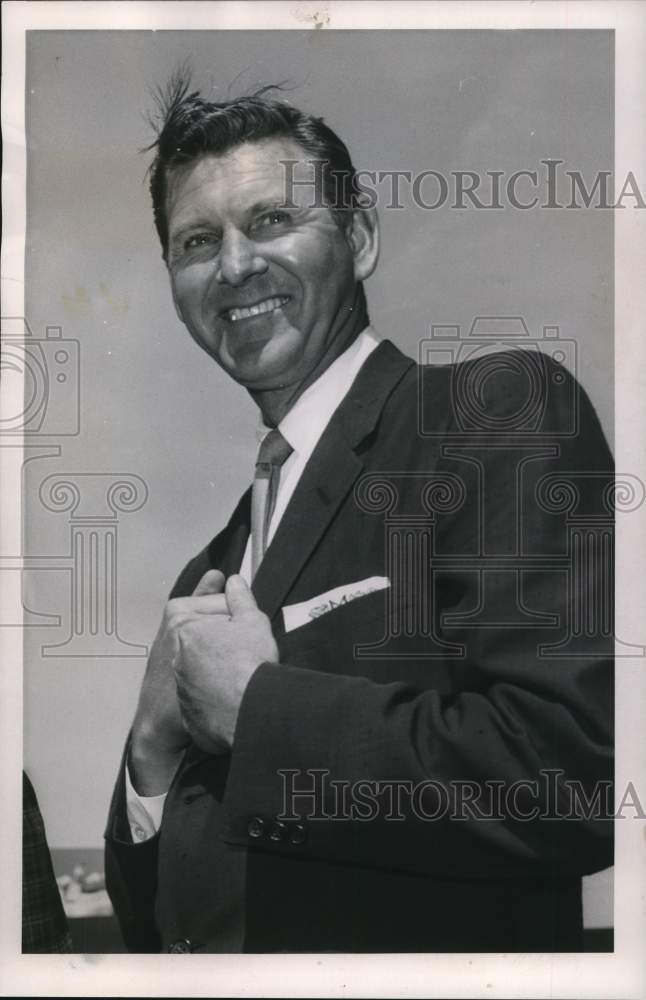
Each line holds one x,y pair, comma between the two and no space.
295,615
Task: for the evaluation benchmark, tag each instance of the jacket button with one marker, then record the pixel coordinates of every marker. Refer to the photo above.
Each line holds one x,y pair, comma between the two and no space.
278,831
256,827
181,947
298,834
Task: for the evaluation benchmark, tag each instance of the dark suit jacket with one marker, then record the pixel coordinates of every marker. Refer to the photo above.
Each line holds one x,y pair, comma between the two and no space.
446,677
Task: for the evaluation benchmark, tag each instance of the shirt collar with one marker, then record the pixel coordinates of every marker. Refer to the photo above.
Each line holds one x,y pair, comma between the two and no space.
303,425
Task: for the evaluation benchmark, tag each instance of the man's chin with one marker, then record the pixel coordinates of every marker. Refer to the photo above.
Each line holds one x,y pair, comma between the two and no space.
262,379
262,364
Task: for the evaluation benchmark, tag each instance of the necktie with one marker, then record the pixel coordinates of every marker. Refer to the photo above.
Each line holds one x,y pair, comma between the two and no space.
273,451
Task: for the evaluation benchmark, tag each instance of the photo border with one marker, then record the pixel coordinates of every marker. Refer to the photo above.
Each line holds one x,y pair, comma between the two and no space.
620,974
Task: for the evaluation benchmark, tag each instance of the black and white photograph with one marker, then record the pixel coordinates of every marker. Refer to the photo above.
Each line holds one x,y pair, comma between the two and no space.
322,495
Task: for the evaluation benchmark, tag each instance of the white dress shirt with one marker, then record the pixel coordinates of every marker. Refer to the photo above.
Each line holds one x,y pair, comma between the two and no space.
302,428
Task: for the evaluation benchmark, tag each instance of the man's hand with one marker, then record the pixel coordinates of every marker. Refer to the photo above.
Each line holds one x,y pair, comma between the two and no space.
216,659
159,736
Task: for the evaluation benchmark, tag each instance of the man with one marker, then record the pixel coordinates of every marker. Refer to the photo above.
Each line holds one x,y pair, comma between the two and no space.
349,670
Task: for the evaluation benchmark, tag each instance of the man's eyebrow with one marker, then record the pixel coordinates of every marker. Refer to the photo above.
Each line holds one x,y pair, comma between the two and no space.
199,222
268,205
190,225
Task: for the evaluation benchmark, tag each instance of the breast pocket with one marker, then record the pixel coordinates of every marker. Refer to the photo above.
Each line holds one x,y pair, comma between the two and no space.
327,642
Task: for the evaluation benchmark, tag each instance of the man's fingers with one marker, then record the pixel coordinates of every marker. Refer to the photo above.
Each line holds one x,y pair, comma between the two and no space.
211,583
182,609
239,596
209,604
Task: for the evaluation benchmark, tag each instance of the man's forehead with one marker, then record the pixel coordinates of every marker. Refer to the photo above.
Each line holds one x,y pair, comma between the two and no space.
250,172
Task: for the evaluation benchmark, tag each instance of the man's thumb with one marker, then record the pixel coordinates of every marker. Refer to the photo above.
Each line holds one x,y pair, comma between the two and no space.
239,596
211,583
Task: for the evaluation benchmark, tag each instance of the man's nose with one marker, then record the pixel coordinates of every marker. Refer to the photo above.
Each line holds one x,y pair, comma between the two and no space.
238,258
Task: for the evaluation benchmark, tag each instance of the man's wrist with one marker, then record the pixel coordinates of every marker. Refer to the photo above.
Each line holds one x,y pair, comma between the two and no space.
152,763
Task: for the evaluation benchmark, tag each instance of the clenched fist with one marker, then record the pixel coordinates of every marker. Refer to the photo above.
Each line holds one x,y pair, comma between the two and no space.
159,736
217,655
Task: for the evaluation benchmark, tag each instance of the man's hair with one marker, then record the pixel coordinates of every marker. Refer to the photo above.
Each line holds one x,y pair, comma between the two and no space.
188,127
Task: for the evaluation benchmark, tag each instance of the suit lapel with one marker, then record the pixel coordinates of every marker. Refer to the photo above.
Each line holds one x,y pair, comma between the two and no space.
325,482
329,475
227,549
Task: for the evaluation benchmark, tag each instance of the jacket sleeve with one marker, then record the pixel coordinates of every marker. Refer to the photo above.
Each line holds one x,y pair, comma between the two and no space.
131,868
505,776
131,874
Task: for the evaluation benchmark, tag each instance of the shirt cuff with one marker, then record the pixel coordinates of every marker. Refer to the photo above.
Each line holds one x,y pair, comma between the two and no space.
144,811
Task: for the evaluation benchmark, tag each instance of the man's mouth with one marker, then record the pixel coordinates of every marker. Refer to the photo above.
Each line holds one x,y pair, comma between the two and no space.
265,306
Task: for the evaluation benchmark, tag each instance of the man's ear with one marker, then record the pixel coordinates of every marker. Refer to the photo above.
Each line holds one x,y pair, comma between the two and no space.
363,237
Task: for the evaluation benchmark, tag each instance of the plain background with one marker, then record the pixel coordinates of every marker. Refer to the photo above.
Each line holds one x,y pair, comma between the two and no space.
151,405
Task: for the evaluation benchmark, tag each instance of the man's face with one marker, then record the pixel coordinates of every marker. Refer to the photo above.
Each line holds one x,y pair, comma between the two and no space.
263,289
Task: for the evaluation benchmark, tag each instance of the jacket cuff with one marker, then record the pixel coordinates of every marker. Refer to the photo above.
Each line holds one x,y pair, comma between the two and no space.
286,741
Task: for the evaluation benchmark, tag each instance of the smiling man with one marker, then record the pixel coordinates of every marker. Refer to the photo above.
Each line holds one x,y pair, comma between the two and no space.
271,293
328,708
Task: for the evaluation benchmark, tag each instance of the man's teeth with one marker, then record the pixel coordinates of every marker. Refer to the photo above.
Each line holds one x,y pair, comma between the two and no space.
267,305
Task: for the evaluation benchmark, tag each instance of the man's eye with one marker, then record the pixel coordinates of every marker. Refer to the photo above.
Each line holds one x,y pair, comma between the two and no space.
199,240
274,218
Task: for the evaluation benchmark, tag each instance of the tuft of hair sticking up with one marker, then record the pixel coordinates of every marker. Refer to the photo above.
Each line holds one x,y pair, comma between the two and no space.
187,126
